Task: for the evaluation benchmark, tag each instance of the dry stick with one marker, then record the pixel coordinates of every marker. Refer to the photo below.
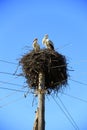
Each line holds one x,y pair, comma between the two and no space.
41,102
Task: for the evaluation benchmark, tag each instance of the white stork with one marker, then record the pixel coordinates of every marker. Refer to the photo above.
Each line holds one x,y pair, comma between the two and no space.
48,43
36,46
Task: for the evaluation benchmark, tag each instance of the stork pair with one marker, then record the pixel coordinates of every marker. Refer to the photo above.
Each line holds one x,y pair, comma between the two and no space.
45,41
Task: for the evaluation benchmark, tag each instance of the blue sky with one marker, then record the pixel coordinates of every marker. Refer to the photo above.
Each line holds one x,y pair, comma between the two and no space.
66,23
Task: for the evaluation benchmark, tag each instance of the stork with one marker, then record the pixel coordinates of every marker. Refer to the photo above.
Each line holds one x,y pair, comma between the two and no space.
48,43
36,46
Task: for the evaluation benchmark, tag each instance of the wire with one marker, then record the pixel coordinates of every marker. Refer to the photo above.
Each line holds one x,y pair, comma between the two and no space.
78,82
68,113
71,96
12,93
65,113
28,60
7,73
11,102
62,47
25,86
4,82
81,61
13,74
17,90
8,62
17,63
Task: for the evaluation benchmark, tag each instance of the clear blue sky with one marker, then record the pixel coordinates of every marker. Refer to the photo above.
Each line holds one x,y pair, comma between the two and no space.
66,23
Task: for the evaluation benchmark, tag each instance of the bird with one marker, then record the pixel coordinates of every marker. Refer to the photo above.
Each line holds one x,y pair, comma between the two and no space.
48,43
35,45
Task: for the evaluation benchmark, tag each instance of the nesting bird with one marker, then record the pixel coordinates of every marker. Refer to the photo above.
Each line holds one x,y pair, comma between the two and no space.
36,46
48,43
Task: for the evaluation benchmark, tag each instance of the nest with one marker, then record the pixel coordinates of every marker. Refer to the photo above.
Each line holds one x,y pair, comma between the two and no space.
49,62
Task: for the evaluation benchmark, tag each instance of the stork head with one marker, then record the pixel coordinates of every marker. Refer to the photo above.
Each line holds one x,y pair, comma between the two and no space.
35,40
46,36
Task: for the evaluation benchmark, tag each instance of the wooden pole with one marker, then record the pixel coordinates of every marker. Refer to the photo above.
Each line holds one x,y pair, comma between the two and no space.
41,102
35,127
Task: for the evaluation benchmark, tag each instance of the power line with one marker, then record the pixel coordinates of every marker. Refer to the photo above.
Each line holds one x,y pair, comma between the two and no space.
55,66
65,113
17,90
12,93
68,113
71,96
11,102
62,47
7,73
13,74
8,62
81,61
18,63
28,60
4,82
78,82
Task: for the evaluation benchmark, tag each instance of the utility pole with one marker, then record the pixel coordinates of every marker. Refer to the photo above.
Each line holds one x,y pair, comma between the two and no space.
41,102
35,127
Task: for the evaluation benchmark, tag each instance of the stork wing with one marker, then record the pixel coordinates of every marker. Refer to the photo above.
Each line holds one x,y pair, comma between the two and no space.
51,44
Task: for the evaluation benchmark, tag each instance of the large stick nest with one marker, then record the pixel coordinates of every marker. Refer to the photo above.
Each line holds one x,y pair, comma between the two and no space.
49,62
